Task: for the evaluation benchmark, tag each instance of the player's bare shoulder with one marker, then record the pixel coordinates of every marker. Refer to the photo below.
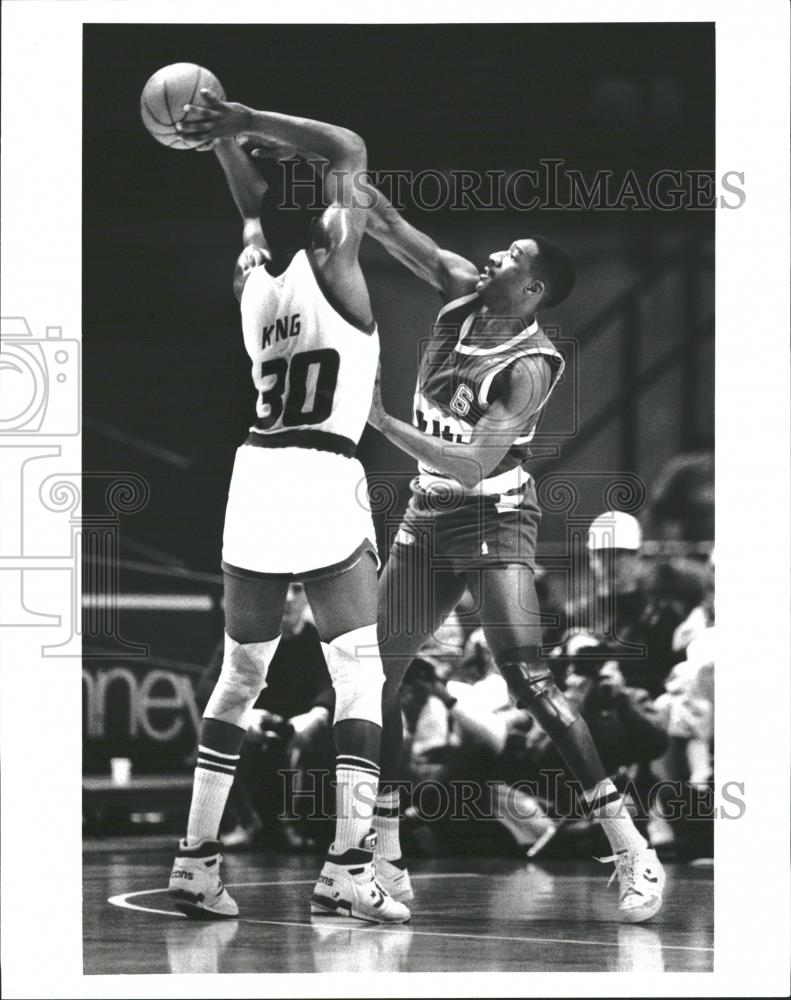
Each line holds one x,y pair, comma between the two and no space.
531,368
527,380
333,260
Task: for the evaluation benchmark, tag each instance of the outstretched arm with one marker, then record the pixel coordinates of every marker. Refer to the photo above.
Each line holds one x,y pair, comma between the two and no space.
523,390
343,153
342,150
449,273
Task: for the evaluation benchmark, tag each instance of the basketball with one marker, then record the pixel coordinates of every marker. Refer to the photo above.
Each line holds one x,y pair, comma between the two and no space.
164,96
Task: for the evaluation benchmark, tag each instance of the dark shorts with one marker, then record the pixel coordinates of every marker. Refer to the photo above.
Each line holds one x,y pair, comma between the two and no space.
465,532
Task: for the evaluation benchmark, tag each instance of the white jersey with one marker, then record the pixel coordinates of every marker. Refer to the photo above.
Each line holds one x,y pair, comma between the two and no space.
314,369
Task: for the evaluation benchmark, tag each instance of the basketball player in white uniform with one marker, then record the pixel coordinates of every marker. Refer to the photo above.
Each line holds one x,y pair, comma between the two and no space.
483,383
297,504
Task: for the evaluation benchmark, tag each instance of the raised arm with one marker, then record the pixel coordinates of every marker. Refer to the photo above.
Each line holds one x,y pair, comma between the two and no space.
342,151
247,188
522,390
449,273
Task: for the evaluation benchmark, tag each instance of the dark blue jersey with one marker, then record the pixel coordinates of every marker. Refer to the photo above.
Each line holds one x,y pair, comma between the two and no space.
456,381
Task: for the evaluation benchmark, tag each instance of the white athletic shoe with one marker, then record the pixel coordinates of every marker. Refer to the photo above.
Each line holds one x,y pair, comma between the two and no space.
195,884
347,886
641,880
393,877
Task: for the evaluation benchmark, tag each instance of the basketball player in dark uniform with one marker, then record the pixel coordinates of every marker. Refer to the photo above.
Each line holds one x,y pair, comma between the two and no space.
486,374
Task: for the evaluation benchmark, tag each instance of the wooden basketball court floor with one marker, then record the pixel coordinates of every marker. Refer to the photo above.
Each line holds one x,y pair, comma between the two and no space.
469,914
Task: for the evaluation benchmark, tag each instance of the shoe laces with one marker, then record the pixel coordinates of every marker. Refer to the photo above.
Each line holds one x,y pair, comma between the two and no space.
624,869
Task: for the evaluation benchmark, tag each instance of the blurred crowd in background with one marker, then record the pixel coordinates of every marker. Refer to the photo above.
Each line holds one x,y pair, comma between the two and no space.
633,647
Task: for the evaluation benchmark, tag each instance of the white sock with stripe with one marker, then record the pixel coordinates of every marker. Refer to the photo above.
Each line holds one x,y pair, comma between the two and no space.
386,824
241,680
608,808
218,755
357,780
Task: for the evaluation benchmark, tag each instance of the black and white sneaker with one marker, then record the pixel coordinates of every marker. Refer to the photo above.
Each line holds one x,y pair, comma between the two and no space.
347,886
195,884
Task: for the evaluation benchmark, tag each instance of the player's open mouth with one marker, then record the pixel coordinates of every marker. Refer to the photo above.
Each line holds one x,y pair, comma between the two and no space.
484,277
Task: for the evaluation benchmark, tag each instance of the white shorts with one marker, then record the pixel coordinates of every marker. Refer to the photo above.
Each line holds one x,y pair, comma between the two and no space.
299,512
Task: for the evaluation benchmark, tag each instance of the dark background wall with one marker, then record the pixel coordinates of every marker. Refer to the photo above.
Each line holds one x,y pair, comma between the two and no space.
166,384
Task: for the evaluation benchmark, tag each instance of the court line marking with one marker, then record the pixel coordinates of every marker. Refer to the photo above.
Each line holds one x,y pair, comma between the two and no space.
311,881
482,937
122,900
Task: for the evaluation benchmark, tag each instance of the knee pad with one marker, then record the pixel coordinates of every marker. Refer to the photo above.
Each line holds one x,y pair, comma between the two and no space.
534,688
241,680
355,667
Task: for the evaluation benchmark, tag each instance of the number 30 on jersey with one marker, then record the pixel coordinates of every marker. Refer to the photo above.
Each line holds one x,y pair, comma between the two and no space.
300,391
